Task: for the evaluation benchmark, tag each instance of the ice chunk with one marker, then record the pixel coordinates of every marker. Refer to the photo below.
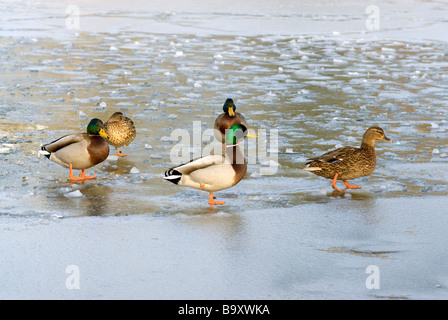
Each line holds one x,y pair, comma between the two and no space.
434,125
318,193
83,115
388,50
134,170
339,62
255,174
112,157
41,127
74,194
271,163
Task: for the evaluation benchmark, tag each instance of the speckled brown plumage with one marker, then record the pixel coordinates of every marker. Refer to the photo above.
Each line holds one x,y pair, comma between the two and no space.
348,163
120,129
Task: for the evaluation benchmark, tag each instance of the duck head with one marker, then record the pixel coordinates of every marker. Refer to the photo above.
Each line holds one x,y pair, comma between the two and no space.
96,127
229,107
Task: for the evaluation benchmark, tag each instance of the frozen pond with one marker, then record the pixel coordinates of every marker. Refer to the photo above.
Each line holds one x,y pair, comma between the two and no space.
314,76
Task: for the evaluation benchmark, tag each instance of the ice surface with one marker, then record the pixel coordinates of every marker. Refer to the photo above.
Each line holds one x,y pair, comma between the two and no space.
309,74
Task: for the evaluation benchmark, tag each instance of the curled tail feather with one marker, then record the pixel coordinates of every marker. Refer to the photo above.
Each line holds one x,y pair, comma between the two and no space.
173,176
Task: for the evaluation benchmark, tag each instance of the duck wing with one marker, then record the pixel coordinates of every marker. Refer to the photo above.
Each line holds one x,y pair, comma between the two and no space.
64,141
197,164
334,155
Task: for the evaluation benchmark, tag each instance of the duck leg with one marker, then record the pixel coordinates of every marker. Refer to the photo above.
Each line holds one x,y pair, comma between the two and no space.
120,154
81,177
213,202
349,186
333,182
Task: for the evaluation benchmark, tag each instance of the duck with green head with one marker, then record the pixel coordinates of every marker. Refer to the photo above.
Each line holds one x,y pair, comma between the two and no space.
80,150
227,119
214,172
348,163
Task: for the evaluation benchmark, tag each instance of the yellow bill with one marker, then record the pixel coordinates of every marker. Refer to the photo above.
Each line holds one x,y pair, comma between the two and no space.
251,135
103,134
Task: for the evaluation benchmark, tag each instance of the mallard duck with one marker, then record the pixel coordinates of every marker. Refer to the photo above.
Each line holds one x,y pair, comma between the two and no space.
227,119
121,131
80,150
348,163
214,172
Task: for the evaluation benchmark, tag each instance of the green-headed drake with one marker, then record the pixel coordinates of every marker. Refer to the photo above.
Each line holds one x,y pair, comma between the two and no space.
80,150
215,172
227,119
121,131
348,163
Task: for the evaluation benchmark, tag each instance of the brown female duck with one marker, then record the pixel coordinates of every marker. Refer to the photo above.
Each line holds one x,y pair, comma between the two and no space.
348,163
121,131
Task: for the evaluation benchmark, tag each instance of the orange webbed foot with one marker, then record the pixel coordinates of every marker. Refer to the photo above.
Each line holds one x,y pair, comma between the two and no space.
333,183
82,177
212,202
216,202
351,186
120,154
